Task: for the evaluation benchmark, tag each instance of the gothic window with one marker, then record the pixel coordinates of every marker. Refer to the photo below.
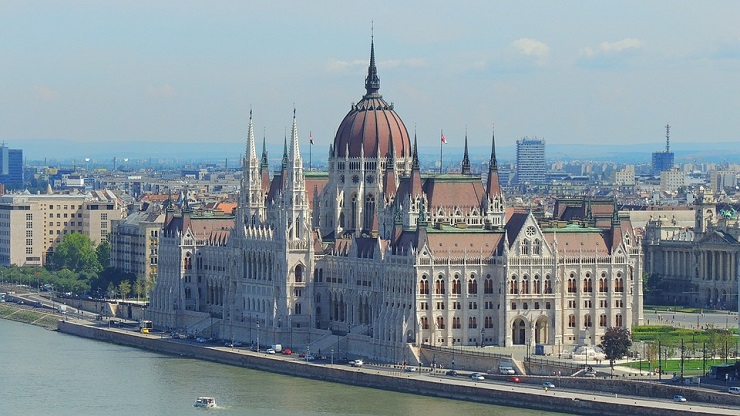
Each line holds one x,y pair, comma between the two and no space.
618,285
488,285
536,247
424,286
587,321
572,284
354,212
299,273
571,321
456,286
513,287
602,320
587,286
472,322
439,286
524,247
297,309
619,320
472,285
440,322
456,322
369,211
537,285
548,284
603,285
424,322
525,285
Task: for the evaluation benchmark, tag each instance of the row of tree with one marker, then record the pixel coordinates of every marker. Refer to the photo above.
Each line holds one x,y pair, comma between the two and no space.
79,266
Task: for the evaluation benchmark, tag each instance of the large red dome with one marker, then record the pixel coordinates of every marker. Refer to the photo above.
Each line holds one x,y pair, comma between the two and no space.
372,127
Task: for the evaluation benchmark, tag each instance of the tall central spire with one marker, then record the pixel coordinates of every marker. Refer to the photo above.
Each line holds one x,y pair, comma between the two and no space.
372,82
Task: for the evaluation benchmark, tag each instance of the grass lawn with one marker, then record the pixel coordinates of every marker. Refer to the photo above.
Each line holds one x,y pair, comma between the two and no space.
692,367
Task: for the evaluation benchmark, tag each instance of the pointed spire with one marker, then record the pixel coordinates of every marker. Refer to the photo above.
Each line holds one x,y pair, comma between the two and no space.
295,151
285,151
493,164
615,215
466,159
415,156
372,82
250,151
264,153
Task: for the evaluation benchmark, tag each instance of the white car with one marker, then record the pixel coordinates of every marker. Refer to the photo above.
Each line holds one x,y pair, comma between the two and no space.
679,398
477,377
356,363
270,351
507,371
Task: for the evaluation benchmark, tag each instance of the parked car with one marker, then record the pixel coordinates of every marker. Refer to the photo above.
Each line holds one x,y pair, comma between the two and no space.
679,398
477,377
548,385
451,373
514,380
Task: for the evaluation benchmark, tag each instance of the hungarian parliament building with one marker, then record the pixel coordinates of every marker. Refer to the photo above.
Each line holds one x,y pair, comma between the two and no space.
375,259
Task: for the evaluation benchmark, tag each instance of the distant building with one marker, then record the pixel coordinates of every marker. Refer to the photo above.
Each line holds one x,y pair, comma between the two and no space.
624,177
32,225
695,266
723,180
663,161
671,180
11,167
134,244
530,161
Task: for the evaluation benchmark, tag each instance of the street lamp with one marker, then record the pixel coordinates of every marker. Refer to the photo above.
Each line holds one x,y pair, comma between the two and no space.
332,356
258,334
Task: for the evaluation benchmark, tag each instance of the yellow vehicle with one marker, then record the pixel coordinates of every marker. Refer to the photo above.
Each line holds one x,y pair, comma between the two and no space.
145,326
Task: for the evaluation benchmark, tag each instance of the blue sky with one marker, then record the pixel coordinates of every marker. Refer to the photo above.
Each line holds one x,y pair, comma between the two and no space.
569,71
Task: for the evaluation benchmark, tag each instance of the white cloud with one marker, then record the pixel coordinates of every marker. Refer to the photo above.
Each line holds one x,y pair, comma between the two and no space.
532,48
606,48
45,93
164,91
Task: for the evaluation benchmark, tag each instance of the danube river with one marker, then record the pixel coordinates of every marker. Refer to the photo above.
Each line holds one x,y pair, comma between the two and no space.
47,373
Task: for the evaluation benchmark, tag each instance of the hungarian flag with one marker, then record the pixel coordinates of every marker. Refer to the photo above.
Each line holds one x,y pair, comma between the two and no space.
444,139
310,137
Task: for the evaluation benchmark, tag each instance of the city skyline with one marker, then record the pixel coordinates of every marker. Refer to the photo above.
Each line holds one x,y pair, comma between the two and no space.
88,72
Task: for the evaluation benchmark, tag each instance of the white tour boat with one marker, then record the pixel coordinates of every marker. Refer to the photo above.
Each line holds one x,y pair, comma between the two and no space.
206,402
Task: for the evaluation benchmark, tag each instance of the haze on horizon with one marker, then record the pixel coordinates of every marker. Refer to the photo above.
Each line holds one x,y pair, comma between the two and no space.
570,72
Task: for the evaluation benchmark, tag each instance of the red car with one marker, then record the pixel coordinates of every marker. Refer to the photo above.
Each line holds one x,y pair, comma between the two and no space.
514,379
287,351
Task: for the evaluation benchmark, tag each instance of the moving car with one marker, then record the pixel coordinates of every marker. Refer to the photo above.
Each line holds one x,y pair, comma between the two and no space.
734,390
451,373
410,369
514,380
287,351
548,385
507,371
356,363
679,398
476,376
270,351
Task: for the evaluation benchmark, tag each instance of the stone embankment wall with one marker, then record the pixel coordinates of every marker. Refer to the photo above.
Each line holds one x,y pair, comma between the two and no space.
373,379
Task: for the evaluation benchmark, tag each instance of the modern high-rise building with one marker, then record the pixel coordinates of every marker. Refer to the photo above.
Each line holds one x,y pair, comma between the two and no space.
663,161
530,160
11,167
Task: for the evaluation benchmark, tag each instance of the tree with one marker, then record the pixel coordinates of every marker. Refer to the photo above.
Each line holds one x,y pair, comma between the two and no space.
103,253
76,252
124,288
616,343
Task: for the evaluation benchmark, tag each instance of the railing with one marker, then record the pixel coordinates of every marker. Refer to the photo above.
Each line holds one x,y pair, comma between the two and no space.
465,352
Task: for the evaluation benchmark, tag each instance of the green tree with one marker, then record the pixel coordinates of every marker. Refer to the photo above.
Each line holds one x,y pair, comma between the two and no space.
103,253
76,252
139,286
616,343
124,288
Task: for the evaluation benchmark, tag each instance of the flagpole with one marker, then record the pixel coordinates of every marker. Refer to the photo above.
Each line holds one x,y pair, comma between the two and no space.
310,148
441,142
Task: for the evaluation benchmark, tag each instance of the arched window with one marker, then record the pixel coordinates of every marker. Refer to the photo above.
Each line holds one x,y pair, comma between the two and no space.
513,286
536,285
572,283
424,286
587,286
524,247
602,321
297,309
587,321
472,322
439,286
440,322
571,321
603,285
536,249
456,286
369,213
472,285
424,322
488,285
456,322
525,285
298,273
619,322
618,285
548,284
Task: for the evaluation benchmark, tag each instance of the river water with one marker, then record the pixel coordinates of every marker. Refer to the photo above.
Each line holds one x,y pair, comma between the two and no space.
48,373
